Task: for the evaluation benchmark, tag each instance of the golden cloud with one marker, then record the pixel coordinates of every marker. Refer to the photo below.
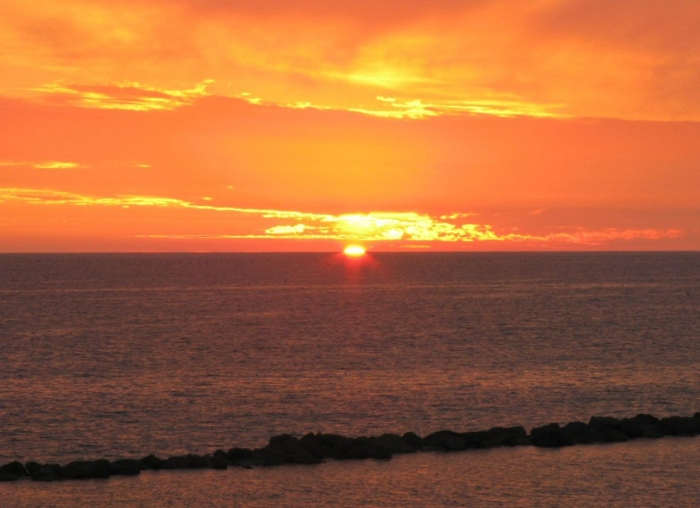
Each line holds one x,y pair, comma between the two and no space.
129,96
42,165
366,227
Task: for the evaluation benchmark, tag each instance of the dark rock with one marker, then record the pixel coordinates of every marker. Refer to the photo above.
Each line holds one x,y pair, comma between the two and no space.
316,446
413,440
648,425
476,440
125,467
219,461
13,471
199,462
334,446
393,443
380,453
607,429
284,449
44,472
680,426
237,455
507,436
445,440
366,448
151,462
549,436
579,433
176,462
86,469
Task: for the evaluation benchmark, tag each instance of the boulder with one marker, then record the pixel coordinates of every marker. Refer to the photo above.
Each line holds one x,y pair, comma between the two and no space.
151,462
199,461
366,448
495,437
607,429
44,472
316,446
549,436
87,469
13,471
238,455
176,462
284,449
219,460
125,467
579,433
413,440
646,426
393,443
444,440
680,426
477,439
337,447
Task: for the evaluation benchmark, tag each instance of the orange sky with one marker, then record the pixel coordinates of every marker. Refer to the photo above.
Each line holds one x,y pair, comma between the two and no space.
215,125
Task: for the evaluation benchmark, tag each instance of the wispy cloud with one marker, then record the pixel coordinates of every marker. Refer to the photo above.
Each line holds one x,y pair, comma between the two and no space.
42,165
417,109
365,227
129,96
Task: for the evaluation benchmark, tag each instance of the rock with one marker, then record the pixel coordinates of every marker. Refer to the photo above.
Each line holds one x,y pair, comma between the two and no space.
237,455
500,436
476,440
393,443
220,460
445,440
86,470
151,462
413,440
316,446
176,462
13,471
680,426
338,447
579,433
44,472
199,462
495,437
549,436
645,426
284,449
366,448
607,429
125,467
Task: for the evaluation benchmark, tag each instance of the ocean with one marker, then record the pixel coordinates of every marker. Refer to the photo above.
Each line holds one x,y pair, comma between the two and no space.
124,355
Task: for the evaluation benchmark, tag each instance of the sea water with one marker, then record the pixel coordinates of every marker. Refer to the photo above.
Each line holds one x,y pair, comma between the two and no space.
110,356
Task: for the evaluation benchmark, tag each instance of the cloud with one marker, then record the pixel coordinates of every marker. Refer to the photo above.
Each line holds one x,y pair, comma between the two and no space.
42,165
632,59
125,96
362,227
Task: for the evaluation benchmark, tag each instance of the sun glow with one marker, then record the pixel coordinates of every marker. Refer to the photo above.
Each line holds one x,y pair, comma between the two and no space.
354,250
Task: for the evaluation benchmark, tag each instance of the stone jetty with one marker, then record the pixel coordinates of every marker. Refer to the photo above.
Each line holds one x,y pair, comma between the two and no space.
319,447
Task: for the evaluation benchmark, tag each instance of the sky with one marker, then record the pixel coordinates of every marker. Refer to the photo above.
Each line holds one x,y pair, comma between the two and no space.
307,125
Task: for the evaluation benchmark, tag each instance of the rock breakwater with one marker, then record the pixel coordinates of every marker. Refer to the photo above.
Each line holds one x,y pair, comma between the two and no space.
317,448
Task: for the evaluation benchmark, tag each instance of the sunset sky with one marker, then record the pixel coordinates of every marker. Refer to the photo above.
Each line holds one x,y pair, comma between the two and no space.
295,125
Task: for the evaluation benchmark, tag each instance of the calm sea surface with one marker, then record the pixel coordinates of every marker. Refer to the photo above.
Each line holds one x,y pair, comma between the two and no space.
109,356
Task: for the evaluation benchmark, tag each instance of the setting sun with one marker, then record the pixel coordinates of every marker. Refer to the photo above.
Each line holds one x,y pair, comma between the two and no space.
354,250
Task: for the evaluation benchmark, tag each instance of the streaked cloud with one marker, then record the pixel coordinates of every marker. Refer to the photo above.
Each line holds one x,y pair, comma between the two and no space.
125,96
631,59
42,165
408,227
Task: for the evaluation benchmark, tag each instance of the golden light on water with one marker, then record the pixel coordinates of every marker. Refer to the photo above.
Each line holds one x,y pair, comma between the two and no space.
354,250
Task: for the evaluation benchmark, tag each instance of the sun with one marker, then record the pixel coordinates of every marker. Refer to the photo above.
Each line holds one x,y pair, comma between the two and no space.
354,250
